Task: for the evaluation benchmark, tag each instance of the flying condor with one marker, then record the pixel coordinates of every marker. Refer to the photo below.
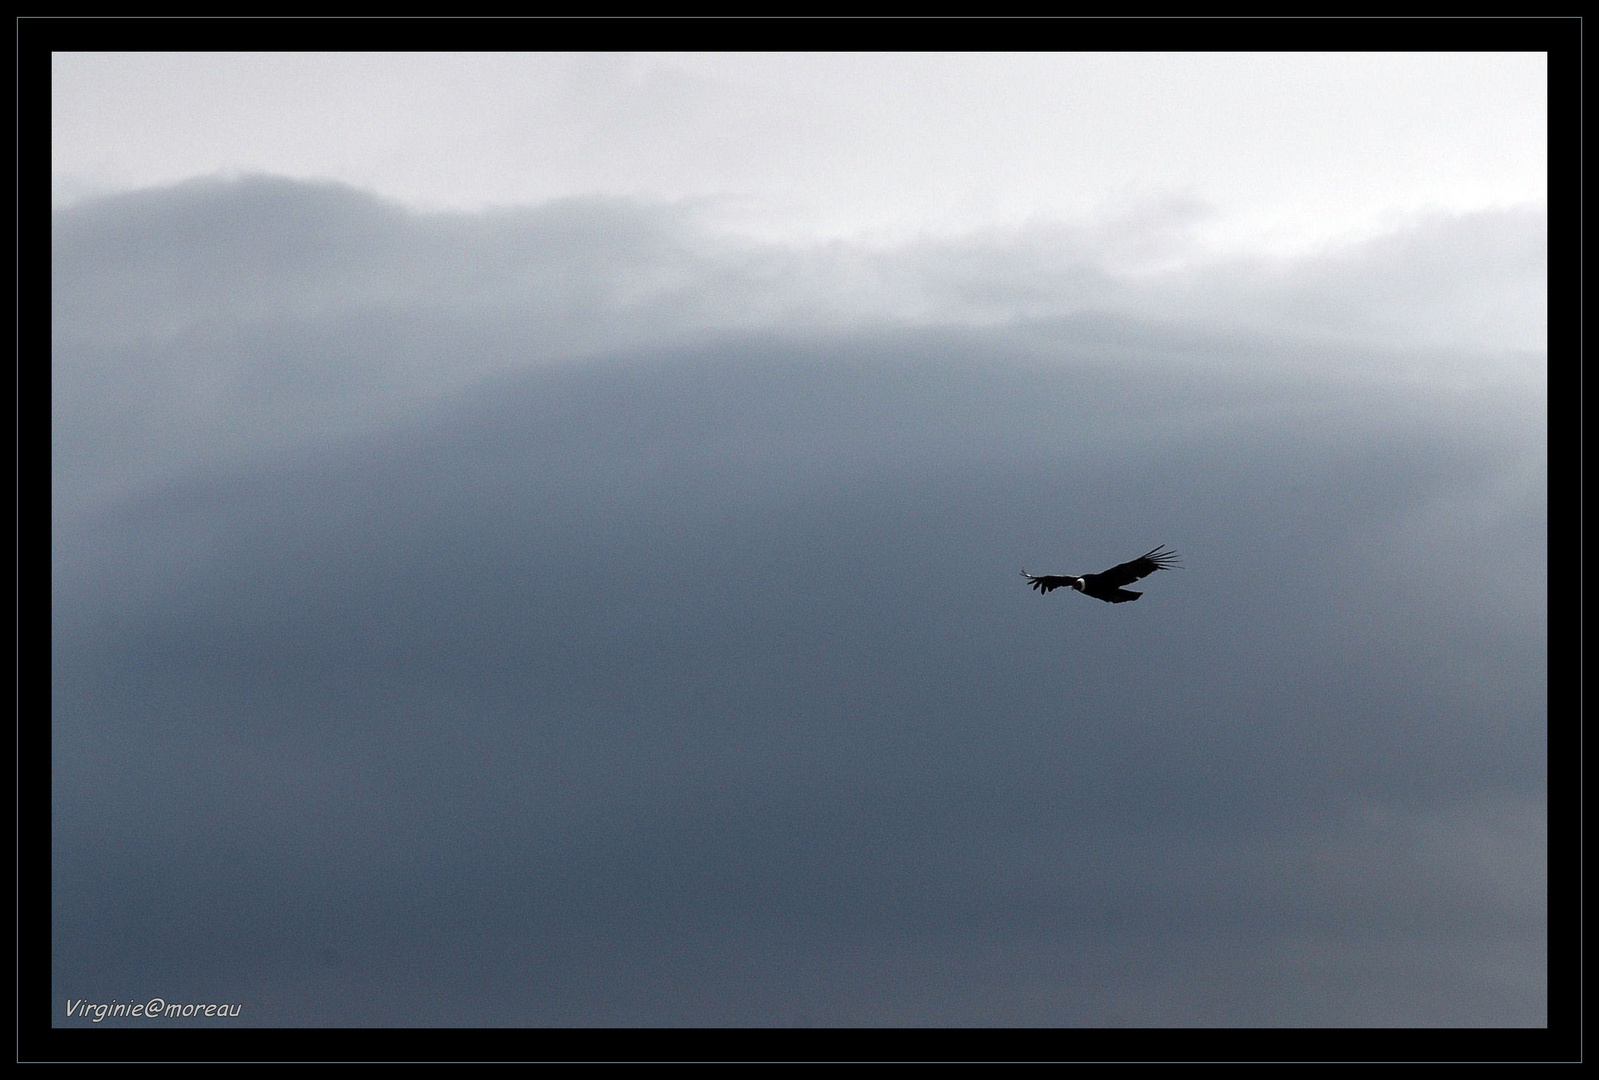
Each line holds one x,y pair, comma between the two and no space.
1108,585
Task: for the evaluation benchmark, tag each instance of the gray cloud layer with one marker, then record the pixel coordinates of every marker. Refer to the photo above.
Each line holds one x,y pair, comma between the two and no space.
563,618
226,319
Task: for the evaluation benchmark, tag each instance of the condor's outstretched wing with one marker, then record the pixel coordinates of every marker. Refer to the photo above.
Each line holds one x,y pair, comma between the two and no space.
1045,582
1141,567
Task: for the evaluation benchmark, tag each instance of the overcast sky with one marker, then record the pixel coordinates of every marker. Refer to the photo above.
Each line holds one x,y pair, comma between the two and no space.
536,538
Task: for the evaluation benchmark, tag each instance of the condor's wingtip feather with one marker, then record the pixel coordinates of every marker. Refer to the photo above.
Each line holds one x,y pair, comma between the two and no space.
1165,560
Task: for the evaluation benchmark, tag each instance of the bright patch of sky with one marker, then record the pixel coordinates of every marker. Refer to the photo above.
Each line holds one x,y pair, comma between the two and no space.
1222,154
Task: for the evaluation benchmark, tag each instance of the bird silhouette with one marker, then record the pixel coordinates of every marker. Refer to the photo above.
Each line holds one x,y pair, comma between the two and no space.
1107,586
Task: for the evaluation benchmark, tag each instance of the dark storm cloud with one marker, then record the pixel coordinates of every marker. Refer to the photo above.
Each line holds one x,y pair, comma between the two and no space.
213,321
696,683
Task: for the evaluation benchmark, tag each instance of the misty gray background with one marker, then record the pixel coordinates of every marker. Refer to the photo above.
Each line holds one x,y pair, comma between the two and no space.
536,537
569,615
